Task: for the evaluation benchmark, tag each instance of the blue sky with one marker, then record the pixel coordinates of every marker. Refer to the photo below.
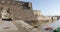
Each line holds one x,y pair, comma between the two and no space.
47,7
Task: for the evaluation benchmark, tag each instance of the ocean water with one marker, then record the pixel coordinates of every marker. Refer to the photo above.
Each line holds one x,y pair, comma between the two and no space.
54,25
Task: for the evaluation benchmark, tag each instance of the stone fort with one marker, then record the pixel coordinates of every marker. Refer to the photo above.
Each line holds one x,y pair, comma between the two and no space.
18,10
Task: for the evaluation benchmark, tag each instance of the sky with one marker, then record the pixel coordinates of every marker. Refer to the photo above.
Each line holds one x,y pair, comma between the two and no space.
47,7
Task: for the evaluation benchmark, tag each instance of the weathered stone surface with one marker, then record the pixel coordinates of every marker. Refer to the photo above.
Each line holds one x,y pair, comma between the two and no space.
20,27
24,27
18,10
7,26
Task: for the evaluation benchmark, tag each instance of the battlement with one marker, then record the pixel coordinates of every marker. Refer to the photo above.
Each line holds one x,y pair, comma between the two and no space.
18,3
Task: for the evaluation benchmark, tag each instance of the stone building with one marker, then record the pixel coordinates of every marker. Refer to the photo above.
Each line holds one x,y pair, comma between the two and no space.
37,13
41,20
18,10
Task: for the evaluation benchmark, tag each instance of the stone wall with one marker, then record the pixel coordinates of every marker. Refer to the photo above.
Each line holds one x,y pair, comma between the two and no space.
18,10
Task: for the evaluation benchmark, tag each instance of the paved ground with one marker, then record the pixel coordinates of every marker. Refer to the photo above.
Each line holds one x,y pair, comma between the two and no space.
7,26
20,28
12,26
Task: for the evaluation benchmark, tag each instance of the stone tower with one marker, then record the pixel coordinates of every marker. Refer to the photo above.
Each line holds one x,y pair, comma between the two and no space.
18,10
